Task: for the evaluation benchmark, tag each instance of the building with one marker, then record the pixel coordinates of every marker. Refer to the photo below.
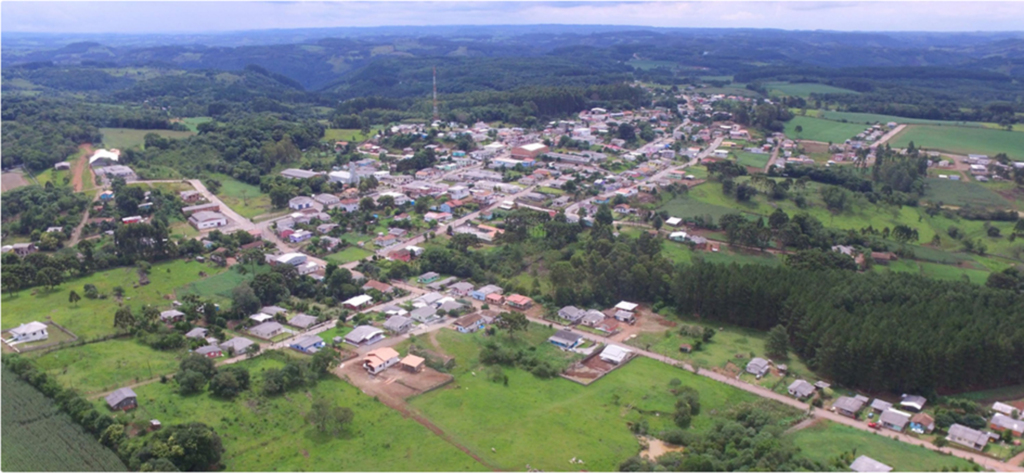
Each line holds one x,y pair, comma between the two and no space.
267,330
968,437
299,173
1003,408
398,324
308,344
299,236
302,321
380,359
172,316
413,363
62,166
800,389
615,354
198,332
530,151
848,406
327,200
922,423
758,367
437,217
209,351
203,220
29,332
24,249
866,464
364,335
624,316
566,339
190,197
879,406
122,400
1001,422
519,301
469,323
428,277
424,315
209,207
237,345
461,288
358,302
913,402
571,313
293,259
382,287
300,202
895,420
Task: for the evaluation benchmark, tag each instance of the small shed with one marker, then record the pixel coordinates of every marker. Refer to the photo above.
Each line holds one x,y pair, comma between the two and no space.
413,363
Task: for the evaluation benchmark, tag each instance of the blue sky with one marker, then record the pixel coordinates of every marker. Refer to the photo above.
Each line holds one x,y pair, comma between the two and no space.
196,17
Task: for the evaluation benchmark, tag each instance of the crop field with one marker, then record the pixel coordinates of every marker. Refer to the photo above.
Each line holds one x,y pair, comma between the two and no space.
124,138
108,365
243,198
827,440
260,433
962,193
36,436
545,423
873,118
804,89
962,140
95,317
817,129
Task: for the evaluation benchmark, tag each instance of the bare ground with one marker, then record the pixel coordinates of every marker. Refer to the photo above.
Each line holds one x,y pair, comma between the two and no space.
12,180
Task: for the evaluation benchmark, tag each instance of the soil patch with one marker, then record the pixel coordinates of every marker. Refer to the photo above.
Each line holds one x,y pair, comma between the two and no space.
656,448
82,168
12,180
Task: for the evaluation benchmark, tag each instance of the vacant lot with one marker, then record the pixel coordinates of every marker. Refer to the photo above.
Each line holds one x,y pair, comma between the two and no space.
124,138
36,436
348,255
962,140
826,440
108,365
95,317
818,129
12,180
348,134
961,193
804,89
263,433
243,198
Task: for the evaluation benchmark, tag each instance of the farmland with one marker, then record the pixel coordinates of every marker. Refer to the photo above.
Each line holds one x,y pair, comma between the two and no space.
873,118
260,431
962,140
124,138
804,89
826,440
818,129
36,436
961,193
107,365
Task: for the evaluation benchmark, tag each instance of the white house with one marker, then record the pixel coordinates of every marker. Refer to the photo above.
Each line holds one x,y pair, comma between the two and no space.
615,354
29,332
380,359
204,219
300,202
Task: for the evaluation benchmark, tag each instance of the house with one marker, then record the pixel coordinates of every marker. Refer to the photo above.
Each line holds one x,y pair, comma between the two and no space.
267,330
428,277
325,228
624,316
203,219
348,205
879,406
800,389
29,332
469,323
758,367
358,302
398,324
571,313
385,240
866,464
424,315
198,332
364,335
496,299
437,216
24,249
138,219
482,293
302,321
531,151
380,359
847,406
412,363
299,236
461,288
615,354
968,437
674,221
122,400
209,351
308,344
922,423
327,199
401,255
260,318
190,197
519,301
565,339
382,287
171,316
273,310
592,318
208,207
626,306
237,345
428,299
300,202
1003,408
913,402
392,309
450,305
1001,422
893,419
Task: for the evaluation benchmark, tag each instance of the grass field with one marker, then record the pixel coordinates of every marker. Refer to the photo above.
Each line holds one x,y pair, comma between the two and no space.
243,198
826,440
270,433
544,423
348,134
734,89
95,317
124,138
36,436
962,193
193,122
817,129
803,89
962,140
650,64
107,365
754,160
219,287
687,206
873,118
348,255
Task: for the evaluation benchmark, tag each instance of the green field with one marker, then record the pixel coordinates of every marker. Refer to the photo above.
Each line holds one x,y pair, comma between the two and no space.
650,64
95,317
754,160
961,193
962,140
826,440
547,422
219,287
687,206
817,129
36,436
270,433
108,365
348,134
873,118
243,198
734,89
193,122
348,255
804,89
124,138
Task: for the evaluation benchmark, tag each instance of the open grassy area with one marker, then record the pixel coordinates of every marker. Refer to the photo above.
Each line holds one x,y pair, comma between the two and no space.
733,89
804,90
270,433
219,287
650,64
544,423
873,118
754,160
193,122
962,140
243,198
348,255
95,317
818,129
962,193
348,134
689,206
107,365
124,138
827,440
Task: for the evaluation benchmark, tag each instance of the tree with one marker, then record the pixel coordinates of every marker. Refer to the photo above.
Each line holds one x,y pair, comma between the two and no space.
123,318
117,291
658,222
73,298
513,322
199,364
777,344
49,278
604,215
627,132
244,301
708,334
191,447
224,384
324,361
190,382
799,129
329,418
112,436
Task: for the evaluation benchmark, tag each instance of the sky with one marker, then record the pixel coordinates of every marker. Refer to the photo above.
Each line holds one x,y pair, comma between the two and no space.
211,17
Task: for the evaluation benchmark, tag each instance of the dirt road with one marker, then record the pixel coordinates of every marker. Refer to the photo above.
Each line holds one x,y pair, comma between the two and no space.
82,171
888,136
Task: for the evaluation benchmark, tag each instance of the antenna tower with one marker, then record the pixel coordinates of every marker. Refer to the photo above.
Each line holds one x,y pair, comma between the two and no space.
435,93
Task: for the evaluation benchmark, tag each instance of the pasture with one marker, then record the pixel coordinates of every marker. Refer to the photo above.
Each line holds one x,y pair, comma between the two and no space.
826,440
260,433
962,140
108,365
348,134
804,89
95,317
242,197
873,118
753,160
219,287
36,436
817,129
193,122
124,138
961,193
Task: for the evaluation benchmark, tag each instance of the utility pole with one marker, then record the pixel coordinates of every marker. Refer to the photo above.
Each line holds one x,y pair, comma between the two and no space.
435,94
